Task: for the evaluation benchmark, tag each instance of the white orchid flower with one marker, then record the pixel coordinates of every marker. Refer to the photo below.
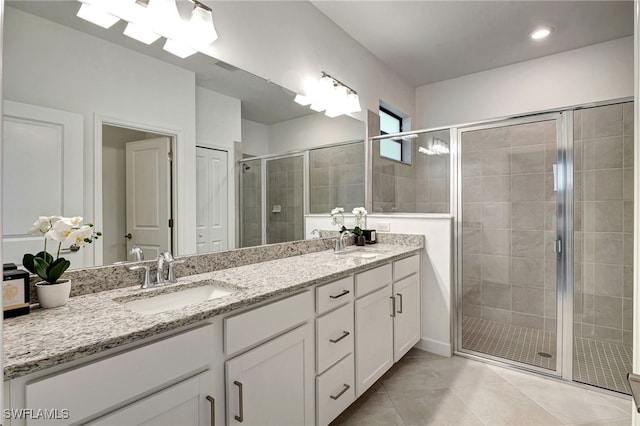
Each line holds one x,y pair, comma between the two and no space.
43,225
337,210
74,221
78,236
60,231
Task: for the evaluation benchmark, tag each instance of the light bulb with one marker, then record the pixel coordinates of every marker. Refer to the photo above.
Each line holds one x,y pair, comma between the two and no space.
201,29
141,33
97,15
179,49
353,103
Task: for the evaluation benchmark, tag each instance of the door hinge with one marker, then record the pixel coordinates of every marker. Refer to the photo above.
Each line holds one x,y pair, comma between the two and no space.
558,246
170,223
170,156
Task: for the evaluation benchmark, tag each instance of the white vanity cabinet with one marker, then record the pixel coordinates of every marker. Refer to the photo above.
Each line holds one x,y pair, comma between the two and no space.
186,403
165,379
272,383
387,318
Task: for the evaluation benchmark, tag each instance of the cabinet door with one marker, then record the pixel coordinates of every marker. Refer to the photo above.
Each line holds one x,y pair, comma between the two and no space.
406,324
273,383
186,403
374,337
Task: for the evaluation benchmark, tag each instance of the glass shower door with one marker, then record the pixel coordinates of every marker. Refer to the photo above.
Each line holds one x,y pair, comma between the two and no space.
507,258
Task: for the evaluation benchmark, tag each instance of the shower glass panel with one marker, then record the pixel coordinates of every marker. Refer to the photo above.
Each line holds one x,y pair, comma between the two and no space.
284,207
603,241
336,177
251,203
507,257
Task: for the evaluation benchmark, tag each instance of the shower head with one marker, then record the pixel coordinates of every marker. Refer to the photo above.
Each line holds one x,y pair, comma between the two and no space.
245,167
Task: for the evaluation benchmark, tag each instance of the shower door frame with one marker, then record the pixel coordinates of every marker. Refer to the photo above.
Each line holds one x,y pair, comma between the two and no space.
564,234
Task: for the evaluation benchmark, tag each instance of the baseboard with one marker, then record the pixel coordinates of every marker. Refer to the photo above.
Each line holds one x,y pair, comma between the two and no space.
435,346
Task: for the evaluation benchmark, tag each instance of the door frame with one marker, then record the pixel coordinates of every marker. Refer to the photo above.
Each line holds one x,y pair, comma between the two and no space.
564,297
176,137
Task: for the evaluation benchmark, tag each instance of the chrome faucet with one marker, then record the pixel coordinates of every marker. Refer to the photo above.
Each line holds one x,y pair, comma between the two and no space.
137,253
340,242
171,261
162,258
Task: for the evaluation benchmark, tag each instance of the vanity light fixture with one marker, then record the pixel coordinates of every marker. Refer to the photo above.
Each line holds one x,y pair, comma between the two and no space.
541,33
330,95
150,20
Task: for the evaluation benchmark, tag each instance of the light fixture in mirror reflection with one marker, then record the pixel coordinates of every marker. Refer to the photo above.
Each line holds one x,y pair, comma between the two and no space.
91,101
330,95
159,18
435,147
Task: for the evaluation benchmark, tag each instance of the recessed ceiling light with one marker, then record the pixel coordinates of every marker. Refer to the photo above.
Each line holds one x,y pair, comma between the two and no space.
540,33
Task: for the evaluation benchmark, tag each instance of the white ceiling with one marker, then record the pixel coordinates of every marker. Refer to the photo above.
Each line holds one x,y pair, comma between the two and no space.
429,41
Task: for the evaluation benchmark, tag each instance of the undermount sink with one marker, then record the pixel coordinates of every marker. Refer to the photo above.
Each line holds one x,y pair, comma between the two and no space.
358,253
177,299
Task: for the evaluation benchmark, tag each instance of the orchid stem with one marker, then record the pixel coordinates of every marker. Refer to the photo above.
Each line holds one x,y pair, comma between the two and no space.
58,254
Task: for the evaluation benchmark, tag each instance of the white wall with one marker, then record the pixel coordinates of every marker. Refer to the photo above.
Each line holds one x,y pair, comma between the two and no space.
289,41
313,130
590,74
218,121
255,138
50,65
437,292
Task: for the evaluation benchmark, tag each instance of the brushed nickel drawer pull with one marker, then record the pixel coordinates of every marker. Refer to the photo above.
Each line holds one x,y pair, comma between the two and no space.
344,389
400,300
344,334
393,306
344,293
239,418
213,409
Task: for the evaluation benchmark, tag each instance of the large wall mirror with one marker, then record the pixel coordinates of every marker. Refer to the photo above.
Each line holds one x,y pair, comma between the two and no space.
141,143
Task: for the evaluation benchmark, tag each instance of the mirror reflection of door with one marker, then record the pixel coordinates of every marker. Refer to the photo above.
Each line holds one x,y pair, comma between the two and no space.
136,192
211,200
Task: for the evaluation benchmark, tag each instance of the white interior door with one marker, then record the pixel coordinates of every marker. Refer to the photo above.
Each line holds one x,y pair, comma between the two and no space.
211,200
42,175
149,196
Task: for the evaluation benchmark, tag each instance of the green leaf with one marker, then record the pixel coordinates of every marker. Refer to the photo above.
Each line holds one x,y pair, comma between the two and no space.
57,268
40,266
45,256
27,262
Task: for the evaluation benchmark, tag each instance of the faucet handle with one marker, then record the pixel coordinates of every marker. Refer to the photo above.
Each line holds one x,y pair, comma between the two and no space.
147,280
172,272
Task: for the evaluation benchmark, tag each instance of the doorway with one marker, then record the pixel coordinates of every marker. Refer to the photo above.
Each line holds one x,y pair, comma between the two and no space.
545,243
137,193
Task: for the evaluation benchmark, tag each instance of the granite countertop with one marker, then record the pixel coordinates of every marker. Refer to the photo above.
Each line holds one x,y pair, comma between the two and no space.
96,322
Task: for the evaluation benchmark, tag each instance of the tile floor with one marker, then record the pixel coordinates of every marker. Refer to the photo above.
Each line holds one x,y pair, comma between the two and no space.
596,363
427,389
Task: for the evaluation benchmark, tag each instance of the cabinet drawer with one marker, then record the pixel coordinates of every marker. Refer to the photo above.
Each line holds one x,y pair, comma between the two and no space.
334,294
334,336
405,267
376,278
335,390
248,328
92,388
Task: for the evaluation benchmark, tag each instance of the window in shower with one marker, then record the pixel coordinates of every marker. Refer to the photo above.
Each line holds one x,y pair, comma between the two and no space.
507,258
603,241
336,177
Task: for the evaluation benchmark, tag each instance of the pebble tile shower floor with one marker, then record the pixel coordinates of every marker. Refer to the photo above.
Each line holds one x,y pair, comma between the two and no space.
595,362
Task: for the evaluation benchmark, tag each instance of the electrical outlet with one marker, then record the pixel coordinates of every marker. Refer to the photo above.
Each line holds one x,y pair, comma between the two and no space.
384,227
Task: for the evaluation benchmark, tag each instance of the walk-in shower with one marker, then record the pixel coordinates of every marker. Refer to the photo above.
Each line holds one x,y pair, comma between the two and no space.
545,243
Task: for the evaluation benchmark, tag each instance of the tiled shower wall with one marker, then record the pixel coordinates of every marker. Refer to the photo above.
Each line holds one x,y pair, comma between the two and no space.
419,187
508,262
251,187
285,185
603,176
336,177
